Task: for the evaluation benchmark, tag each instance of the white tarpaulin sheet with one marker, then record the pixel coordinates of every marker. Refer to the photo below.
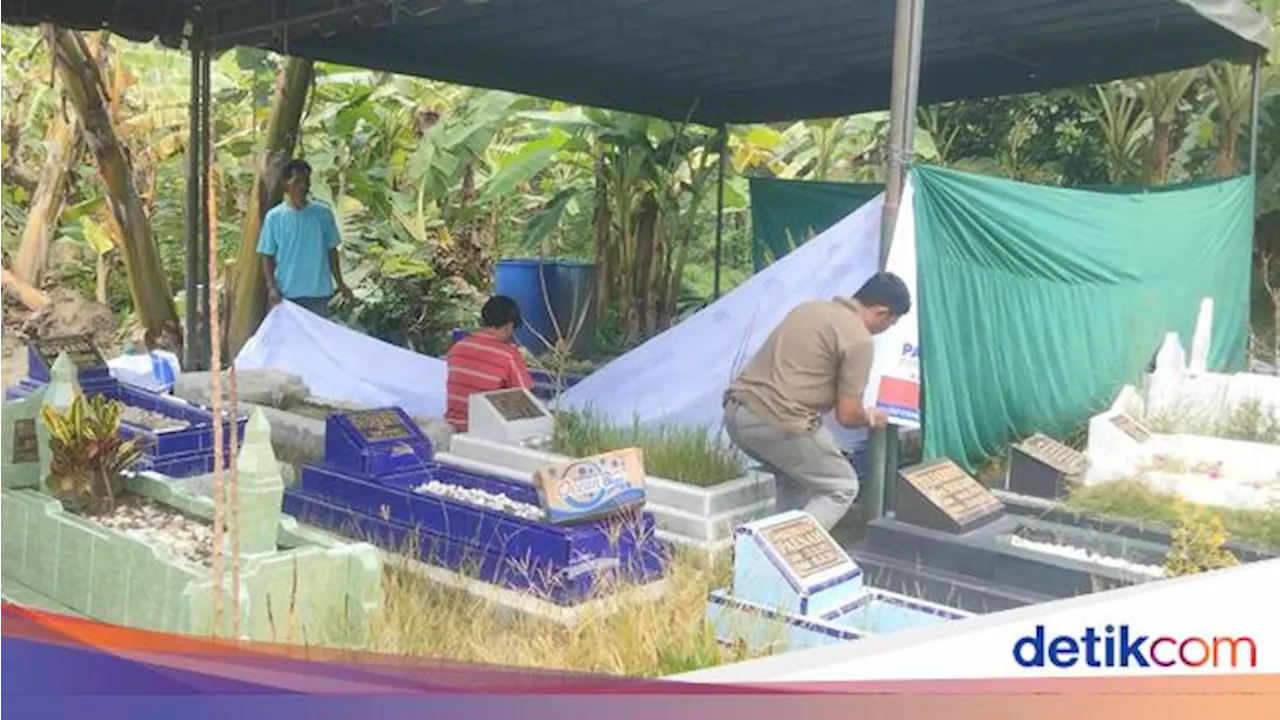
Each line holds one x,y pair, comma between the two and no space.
339,363
680,376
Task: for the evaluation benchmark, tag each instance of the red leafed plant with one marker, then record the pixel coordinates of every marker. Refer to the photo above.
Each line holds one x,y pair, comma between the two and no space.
87,454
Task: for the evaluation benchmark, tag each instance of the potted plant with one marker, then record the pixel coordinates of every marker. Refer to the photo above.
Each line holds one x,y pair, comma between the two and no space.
87,454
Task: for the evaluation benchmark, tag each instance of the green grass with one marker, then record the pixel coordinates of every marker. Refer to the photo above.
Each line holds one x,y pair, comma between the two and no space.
1249,421
683,454
1134,499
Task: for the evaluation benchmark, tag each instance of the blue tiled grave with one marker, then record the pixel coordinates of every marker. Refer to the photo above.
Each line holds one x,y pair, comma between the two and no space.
366,488
795,588
175,452
954,541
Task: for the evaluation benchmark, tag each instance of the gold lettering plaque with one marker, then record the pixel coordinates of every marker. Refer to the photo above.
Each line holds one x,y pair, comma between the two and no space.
26,445
1059,456
1131,427
380,425
952,490
805,547
80,348
514,404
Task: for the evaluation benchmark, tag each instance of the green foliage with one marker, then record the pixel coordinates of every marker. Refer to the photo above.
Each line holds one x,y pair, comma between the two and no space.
88,454
682,454
1198,540
1249,421
1135,499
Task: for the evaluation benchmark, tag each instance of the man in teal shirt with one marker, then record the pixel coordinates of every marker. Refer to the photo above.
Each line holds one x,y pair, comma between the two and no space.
299,247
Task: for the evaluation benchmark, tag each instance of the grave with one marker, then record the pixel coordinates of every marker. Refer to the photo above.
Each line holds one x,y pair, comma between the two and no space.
503,434
1210,449
952,541
177,436
26,439
380,481
147,565
513,415
795,588
1043,467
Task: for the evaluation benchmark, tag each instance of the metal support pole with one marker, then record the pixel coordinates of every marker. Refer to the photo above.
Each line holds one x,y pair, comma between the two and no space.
206,159
191,343
724,147
1255,105
908,29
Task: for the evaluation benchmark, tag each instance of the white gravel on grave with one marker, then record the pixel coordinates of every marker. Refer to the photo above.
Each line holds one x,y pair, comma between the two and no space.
187,538
1075,553
150,419
499,502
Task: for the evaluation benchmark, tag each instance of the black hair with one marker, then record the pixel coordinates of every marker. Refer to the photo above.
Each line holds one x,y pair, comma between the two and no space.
296,166
887,290
500,310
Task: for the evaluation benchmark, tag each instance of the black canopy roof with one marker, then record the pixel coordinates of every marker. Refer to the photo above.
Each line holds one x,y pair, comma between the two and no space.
712,61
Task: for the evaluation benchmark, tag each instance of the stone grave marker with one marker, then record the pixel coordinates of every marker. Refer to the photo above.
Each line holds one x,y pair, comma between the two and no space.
592,487
82,351
940,495
1135,430
260,489
375,443
1043,467
514,416
790,563
26,442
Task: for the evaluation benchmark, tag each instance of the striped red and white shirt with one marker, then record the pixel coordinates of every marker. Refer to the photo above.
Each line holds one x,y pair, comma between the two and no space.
479,363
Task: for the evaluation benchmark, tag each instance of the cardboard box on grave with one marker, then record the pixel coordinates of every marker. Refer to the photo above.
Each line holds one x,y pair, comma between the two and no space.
514,416
592,487
789,563
375,443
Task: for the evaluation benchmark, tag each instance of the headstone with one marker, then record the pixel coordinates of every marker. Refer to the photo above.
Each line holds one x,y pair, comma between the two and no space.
85,357
260,490
1135,430
940,495
593,487
64,385
1043,467
1198,364
26,442
788,562
514,416
375,443
1171,358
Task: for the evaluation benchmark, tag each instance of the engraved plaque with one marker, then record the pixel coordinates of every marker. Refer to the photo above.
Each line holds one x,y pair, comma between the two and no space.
380,425
26,444
1059,456
1134,429
806,548
514,405
940,495
80,348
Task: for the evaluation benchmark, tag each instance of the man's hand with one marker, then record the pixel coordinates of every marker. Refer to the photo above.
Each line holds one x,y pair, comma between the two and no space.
346,292
876,418
273,296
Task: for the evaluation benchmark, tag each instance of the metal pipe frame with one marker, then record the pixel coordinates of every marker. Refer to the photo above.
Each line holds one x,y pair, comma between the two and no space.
191,342
1255,109
724,149
904,93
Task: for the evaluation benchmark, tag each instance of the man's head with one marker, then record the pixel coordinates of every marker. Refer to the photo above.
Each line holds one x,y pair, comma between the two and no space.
501,315
297,182
884,299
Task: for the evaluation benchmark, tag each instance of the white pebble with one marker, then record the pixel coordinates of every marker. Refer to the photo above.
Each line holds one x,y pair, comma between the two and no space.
1076,553
474,496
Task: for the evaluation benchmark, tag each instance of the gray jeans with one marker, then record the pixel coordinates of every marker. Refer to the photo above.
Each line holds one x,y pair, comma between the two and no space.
827,482
317,305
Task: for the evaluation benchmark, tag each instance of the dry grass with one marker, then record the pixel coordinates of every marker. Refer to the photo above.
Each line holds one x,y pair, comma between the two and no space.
1249,421
655,637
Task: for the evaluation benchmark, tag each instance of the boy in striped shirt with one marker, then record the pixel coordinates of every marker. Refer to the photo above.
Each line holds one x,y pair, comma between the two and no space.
486,360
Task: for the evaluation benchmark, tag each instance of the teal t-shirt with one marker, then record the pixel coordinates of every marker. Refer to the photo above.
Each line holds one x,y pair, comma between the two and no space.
300,241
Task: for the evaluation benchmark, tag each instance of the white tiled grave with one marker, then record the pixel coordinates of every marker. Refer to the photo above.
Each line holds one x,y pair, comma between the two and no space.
695,517
1124,442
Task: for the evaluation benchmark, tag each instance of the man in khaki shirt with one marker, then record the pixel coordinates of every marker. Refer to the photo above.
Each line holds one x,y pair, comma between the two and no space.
817,360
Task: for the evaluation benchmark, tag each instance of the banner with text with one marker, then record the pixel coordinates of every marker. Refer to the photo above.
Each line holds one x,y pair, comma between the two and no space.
894,385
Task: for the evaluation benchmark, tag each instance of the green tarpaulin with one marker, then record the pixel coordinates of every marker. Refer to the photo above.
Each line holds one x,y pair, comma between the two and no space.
788,213
1037,303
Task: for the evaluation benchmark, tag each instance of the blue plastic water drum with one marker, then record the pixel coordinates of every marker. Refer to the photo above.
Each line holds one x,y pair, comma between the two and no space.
523,280
573,301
